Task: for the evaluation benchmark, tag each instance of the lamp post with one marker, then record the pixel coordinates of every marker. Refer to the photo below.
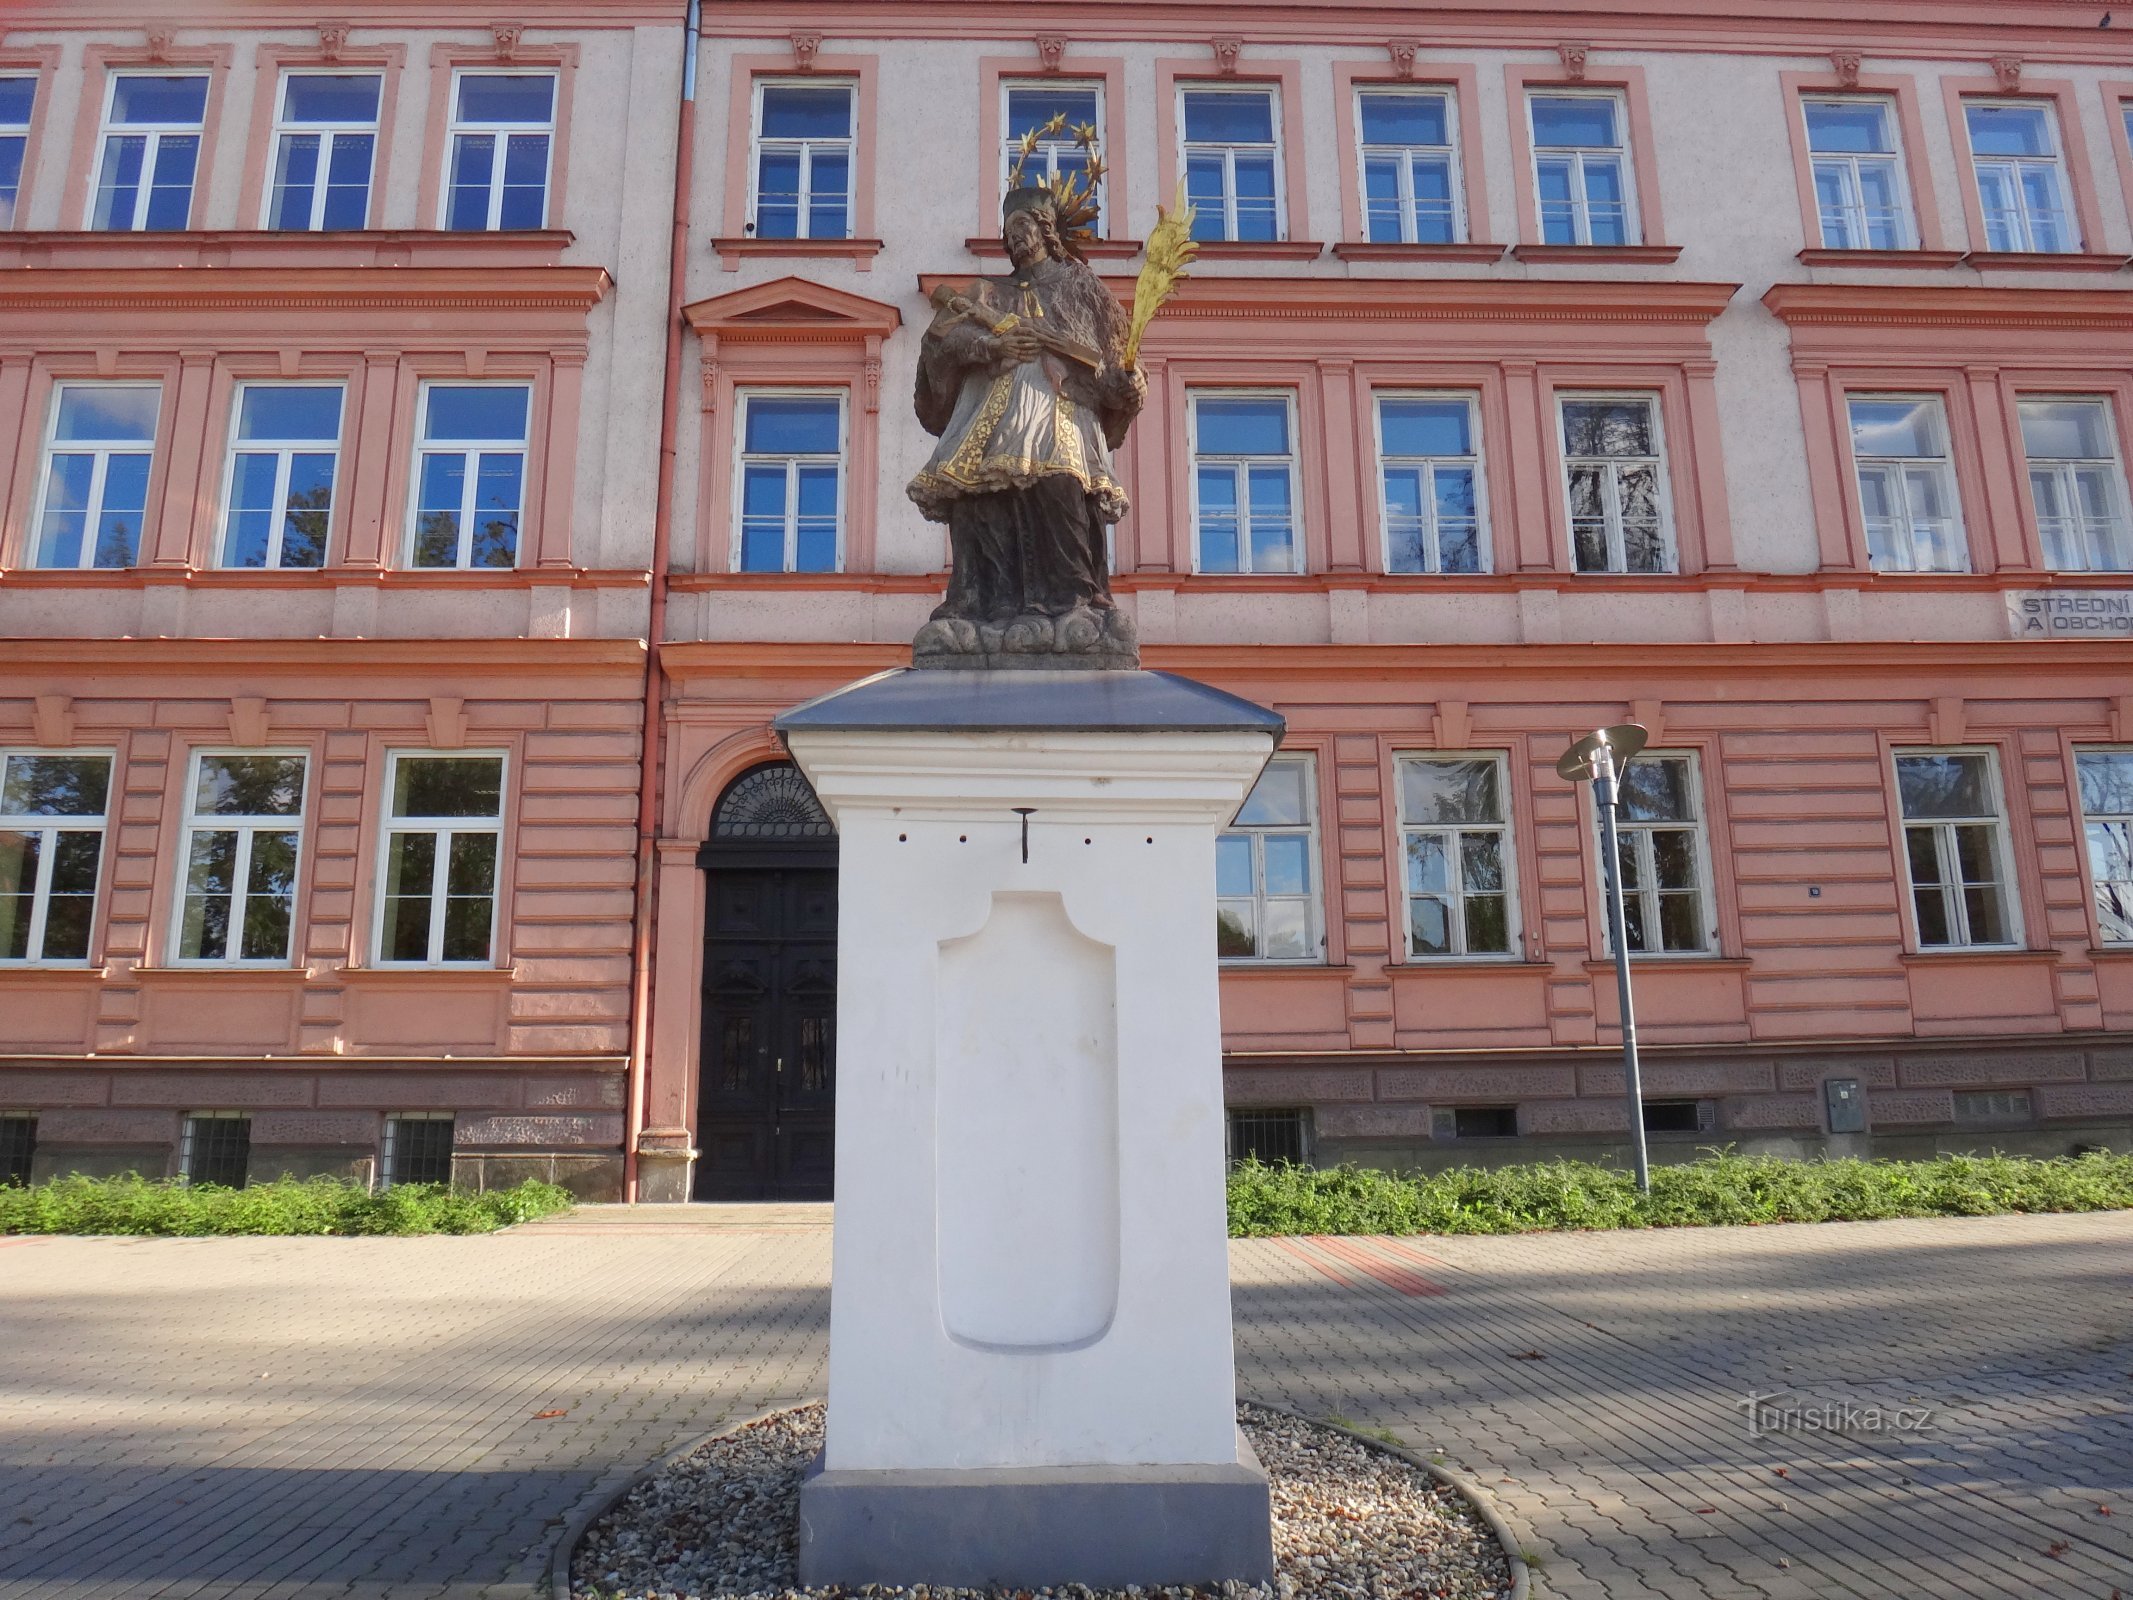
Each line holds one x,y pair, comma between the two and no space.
1599,757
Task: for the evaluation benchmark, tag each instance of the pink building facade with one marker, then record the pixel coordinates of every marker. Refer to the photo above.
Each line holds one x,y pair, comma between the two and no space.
1518,390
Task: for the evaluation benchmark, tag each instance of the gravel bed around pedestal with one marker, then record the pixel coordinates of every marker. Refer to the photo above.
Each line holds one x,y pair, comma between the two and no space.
1351,1522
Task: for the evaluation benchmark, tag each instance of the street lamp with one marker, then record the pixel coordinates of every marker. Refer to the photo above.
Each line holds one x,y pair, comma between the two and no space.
1600,756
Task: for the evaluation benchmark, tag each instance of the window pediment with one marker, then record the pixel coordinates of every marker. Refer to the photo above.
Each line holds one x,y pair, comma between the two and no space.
795,309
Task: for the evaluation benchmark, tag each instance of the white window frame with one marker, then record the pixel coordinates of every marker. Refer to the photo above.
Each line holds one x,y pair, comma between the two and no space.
1048,149
19,132
103,450
282,450
1239,465
155,133
329,133
1314,896
1951,880
444,827
806,148
49,826
1580,200
2123,819
1951,486
1433,546
2016,166
500,132
388,1153
1227,150
1456,892
470,451
1636,838
743,459
1654,402
2064,468
240,872
1849,161
1366,152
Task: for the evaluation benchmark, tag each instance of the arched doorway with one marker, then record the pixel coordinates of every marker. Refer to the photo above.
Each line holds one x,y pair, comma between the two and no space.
767,1085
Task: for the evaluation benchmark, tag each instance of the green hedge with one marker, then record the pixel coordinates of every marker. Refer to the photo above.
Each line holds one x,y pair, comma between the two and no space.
320,1205
1721,1188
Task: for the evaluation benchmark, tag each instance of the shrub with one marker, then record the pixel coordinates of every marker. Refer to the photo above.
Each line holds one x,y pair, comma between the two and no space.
136,1205
1720,1188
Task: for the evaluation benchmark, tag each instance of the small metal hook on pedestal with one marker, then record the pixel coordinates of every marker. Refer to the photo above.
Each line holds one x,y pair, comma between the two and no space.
1025,813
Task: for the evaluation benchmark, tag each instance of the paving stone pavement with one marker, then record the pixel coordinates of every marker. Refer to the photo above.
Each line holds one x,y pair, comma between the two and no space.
362,1418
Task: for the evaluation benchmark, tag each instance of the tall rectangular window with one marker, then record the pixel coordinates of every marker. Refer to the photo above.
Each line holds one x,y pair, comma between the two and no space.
1031,105
802,165
1907,484
1455,837
18,97
470,474
96,464
2021,176
1244,483
1232,156
1858,171
418,1148
1410,166
18,1148
216,1148
1581,168
1665,897
2106,783
791,476
444,834
53,807
244,820
1266,880
1955,848
149,153
2077,484
1611,465
285,442
325,140
1429,466
500,144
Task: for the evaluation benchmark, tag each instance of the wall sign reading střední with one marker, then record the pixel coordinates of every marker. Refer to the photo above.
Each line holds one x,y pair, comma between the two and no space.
2070,613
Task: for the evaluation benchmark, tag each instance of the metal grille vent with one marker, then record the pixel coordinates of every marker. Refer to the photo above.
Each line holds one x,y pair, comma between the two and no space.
418,1147
18,1143
217,1148
1271,1136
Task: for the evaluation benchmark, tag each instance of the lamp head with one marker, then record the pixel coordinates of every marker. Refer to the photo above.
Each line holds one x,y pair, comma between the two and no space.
1622,741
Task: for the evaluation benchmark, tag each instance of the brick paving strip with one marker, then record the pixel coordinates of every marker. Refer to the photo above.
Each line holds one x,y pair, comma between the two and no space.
361,1418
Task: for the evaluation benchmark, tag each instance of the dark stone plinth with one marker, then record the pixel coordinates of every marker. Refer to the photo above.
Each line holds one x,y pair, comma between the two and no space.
1039,1527
1084,640
981,701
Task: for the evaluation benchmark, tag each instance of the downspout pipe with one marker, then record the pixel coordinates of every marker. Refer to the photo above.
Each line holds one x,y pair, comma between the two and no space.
653,738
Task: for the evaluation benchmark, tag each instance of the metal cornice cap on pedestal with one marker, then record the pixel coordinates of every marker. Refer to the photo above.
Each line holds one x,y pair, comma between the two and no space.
996,700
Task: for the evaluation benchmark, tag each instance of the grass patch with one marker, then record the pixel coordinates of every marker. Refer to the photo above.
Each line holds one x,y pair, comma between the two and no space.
137,1205
1721,1188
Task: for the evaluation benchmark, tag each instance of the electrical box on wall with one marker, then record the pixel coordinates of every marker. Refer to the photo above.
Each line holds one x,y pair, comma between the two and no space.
1846,1105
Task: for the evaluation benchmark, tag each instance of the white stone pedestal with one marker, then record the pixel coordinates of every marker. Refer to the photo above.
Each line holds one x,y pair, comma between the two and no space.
1031,1372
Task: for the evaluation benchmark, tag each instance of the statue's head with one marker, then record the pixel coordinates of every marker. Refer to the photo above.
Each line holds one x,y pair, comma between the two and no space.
1029,226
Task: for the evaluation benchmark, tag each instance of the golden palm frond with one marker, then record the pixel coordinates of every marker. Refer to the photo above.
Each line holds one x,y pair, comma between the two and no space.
1169,253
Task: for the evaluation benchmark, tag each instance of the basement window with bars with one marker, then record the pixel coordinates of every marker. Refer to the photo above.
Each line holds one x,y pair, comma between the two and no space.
216,1148
1991,1107
1485,1122
418,1148
1679,1116
18,1145
1278,1137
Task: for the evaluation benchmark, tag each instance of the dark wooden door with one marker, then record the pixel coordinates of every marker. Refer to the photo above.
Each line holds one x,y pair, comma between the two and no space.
766,1106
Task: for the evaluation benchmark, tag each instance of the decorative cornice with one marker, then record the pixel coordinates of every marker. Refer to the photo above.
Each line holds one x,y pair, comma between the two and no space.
304,288
1936,306
793,310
